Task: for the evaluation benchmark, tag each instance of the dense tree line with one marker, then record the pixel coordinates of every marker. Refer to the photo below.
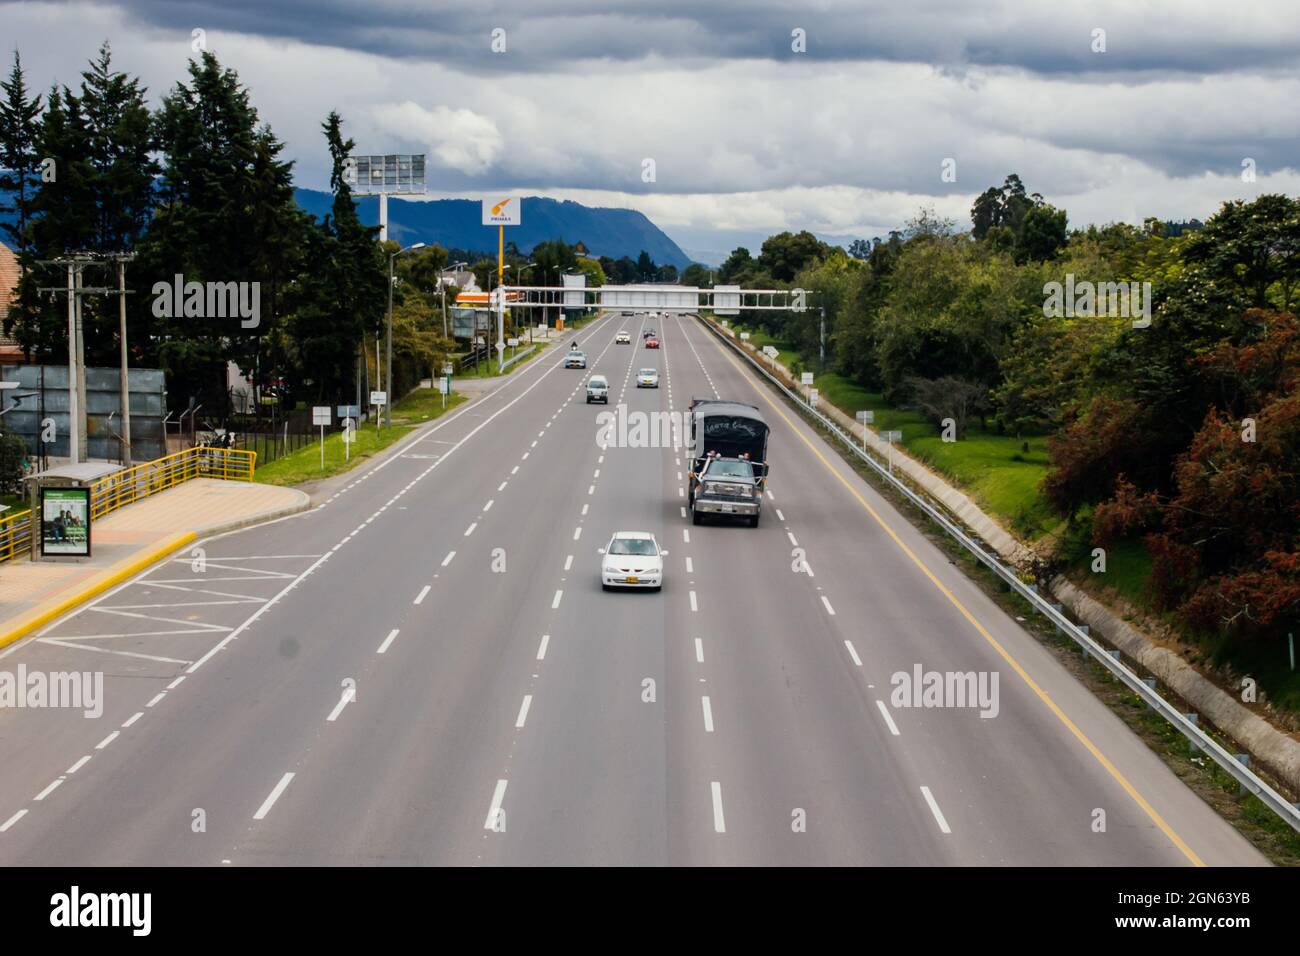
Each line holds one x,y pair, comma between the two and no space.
197,188
1183,433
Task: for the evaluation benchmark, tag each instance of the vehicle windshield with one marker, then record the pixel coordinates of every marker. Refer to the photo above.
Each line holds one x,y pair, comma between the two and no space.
639,546
730,468
648,371
598,383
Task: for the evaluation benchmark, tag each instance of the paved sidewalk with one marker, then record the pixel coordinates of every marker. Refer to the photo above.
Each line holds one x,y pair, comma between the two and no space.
33,593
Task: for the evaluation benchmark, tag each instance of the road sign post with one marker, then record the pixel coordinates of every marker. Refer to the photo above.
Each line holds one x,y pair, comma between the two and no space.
379,400
349,432
320,415
865,417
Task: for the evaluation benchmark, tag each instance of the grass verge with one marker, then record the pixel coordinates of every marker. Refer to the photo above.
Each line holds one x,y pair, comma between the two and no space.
304,465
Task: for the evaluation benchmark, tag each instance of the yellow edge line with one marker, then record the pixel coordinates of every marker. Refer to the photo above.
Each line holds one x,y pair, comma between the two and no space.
97,586
1132,791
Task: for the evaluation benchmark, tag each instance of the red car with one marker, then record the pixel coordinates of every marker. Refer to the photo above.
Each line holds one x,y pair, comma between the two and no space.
652,343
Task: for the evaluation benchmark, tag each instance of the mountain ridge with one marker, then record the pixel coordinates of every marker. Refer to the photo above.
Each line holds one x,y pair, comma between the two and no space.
457,224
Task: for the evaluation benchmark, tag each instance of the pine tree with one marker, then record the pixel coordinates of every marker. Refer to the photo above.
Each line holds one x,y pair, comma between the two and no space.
19,181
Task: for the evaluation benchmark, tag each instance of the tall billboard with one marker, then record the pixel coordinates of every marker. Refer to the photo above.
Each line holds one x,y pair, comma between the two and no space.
387,173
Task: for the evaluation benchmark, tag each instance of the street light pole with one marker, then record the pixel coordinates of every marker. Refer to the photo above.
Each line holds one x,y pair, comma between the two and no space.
388,362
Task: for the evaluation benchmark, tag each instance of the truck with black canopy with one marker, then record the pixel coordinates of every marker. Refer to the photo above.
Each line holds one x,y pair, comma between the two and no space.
728,448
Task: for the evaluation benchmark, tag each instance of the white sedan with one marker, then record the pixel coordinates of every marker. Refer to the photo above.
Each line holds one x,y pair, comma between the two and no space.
623,338
632,559
647,378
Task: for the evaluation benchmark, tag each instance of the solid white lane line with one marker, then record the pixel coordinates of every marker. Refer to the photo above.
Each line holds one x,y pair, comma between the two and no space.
568,562
419,598
269,802
78,765
347,697
934,808
388,640
494,810
541,648
49,790
176,683
719,823
523,711
470,530
708,715
12,820
889,719
694,605
107,740
829,610
556,603
448,559
853,653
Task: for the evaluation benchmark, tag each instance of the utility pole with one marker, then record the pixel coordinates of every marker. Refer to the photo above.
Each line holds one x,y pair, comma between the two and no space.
388,368
821,342
74,409
83,439
125,381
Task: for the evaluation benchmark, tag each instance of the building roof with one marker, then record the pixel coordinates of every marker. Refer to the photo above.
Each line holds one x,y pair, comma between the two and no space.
8,283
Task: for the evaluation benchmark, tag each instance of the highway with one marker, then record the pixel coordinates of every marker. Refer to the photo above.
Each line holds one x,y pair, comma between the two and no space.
425,670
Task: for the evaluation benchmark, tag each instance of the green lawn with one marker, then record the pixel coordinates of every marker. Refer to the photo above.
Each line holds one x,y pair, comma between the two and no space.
305,464
995,470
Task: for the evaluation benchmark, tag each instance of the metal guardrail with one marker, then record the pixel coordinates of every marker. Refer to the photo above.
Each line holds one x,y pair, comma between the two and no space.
132,484
519,356
1249,781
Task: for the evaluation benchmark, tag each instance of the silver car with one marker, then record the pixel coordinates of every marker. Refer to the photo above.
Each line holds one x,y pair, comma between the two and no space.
647,378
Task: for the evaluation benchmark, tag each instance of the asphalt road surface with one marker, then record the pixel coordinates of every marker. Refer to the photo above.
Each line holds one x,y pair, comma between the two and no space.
425,670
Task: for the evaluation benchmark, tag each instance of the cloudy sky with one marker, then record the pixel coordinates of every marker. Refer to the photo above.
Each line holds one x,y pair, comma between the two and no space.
748,135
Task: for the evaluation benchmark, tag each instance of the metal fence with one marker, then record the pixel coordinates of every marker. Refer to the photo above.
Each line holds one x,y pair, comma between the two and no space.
1250,782
132,484
268,446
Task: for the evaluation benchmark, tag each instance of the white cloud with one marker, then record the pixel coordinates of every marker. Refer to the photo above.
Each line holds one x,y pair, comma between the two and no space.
459,139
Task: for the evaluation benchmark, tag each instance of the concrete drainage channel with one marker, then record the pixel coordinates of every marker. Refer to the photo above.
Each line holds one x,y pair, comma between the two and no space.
1184,724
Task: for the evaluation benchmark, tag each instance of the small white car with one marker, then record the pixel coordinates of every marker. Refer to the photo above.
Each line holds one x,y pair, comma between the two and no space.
598,389
623,338
632,559
647,378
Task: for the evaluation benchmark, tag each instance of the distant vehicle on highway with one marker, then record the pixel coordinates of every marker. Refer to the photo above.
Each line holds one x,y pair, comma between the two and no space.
576,359
632,559
648,333
597,389
652,343
623,338
729,460
647,378
628,313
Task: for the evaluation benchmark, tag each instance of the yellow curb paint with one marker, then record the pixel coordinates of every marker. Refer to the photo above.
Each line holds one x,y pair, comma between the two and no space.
1042,695
38,618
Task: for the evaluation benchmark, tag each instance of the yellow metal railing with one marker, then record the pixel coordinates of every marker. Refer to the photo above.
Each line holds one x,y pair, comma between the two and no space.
132,484
15,535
